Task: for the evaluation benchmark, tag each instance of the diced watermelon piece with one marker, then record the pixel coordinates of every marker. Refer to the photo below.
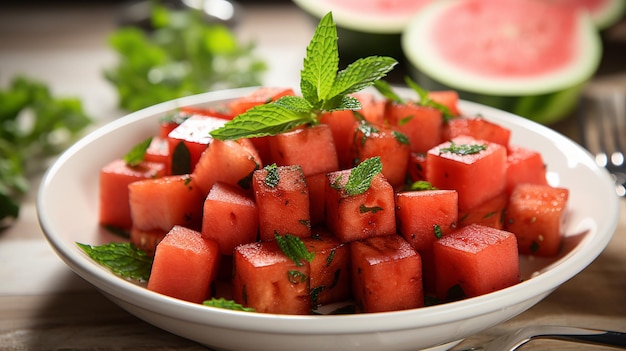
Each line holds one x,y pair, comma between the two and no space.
424,216
359,216
417,166
260,96
312,148
342,125
475,260
330,268
282,198
386,274
477,128
185,265
269,281
448,98
230,217
189,140
229,161
391,146
524,166
159,151
490,213
422,125
220,111
535,214
171,121
147,240
162,203
477,177
316,184
114,208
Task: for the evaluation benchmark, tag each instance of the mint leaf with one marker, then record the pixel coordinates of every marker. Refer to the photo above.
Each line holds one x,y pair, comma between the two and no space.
361,176
123,259
227,304
262,120
361,74
323,88
272,178
294,248
137,154
321,63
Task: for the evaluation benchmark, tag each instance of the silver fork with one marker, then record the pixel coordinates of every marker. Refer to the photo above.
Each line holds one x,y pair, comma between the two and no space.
514,341
602,125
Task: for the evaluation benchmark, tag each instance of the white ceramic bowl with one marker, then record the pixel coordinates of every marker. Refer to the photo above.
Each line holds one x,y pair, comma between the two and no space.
67,206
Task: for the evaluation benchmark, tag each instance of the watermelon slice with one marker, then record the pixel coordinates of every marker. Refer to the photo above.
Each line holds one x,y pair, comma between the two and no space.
531,58
366,28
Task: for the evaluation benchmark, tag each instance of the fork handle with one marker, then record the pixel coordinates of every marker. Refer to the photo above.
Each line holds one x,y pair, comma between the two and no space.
602,337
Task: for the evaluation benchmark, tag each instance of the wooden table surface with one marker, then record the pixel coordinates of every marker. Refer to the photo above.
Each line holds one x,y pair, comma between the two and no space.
45,306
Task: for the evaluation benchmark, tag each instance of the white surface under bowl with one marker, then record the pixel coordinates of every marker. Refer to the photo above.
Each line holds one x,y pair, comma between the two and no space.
68,213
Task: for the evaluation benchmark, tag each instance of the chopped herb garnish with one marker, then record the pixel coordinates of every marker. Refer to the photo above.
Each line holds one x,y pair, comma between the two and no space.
438,232
272,178
137,154
422,185
324,89
296,277
294,248
361,176
123,259
366,209
367,129
463,149
401,138
227,304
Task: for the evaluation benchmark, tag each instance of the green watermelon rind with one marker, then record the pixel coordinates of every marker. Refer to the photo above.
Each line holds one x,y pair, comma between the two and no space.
547,108
545,99
358,21
609,15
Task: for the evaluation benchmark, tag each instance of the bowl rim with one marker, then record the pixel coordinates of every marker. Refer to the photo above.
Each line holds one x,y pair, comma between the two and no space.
578,258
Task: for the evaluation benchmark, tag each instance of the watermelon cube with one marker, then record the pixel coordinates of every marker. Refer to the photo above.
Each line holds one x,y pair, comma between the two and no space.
147,240
230,161
421,124
260,96
354,217
189,140
316,184
312,148
477,128
447,98
535,214
524,165
386,274
114,207
475,168
425,216
330,268
391,146
230,217
475,260
269,281
159,151
185,265
282,198
162,203
417,166
490,213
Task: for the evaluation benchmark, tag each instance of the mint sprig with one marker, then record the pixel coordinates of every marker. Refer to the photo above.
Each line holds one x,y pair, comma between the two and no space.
361,176
227,304
424,100
324,88
122,258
